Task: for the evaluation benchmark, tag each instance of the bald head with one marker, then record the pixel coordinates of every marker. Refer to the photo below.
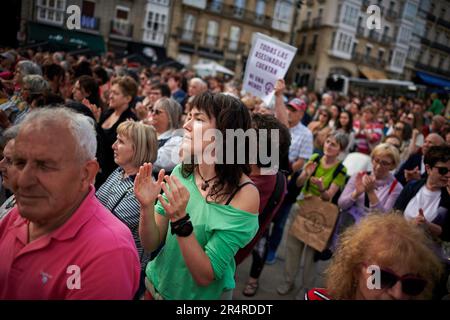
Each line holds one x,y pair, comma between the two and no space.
432,140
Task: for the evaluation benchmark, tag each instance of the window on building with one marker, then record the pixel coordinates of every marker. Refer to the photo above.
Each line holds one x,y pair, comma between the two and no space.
212,33
51,11
188,27
260,10
368,51
350,16
216,5
88,9
122,13
344,42
437,35
442,16
441,62
235,35
239,8
410,11
355,44
155,26
431,59
282,15
399,59
404,35
380,55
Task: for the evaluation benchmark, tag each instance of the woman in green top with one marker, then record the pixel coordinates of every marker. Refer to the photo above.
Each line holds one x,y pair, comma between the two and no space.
322,178
212,207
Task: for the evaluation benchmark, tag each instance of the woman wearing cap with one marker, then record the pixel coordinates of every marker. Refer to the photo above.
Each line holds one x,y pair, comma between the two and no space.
323,177
384,257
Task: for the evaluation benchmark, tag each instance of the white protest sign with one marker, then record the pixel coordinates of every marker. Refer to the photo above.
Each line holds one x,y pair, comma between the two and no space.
268,61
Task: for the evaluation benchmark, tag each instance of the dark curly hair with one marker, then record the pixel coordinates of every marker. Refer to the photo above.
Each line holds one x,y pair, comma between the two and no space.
229,113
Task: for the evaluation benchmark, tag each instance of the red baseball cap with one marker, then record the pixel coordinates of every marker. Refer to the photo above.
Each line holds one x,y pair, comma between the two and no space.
297,104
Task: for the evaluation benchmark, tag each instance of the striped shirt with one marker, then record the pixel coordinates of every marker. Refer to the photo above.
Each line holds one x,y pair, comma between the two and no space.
301,143
117,195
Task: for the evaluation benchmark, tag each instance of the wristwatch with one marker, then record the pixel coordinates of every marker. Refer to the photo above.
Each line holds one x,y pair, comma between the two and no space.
182,227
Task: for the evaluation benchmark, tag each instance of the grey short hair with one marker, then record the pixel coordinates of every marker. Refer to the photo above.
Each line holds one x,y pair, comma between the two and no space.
202,83
36,83
28,67
11,133
173,110
81,127
341,138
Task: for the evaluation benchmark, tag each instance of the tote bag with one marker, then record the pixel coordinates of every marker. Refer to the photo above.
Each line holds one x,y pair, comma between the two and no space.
314,222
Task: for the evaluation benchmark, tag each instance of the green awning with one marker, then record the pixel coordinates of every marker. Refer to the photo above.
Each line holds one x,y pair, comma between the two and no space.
66,39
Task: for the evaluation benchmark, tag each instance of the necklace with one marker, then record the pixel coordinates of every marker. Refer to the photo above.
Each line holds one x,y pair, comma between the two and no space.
205,184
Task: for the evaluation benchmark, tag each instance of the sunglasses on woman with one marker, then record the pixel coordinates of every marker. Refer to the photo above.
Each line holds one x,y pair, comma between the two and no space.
442,170
411,285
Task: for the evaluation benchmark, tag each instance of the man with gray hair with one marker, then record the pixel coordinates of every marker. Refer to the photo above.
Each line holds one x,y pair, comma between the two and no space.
196,87
59,242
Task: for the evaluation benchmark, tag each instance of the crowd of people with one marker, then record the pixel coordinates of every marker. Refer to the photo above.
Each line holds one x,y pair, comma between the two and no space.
104,197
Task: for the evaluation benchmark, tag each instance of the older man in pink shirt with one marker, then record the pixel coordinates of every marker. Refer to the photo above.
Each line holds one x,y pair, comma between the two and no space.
60,242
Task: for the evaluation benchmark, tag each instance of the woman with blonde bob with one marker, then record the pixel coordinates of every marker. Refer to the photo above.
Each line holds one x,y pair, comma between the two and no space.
384,257
136,144
377,190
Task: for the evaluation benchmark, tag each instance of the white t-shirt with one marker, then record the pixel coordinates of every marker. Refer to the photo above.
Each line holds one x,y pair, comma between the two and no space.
427,200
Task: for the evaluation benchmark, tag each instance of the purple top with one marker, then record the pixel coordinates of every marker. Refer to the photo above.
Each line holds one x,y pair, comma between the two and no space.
357,208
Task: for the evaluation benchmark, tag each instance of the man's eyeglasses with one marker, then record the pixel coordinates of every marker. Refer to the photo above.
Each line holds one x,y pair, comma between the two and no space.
398,128
442,170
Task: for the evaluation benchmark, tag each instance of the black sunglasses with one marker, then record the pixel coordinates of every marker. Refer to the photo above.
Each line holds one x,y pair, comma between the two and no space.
442,170
411,285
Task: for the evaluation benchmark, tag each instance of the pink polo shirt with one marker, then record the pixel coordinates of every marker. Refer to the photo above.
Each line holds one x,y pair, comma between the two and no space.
91,256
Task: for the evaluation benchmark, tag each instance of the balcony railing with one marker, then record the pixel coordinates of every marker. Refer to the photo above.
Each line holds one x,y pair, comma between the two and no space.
391,14
236,47
431,17
305,24
374,35
443,22
188,36
90,23
211,40
317,22
425,41
121,28
360,31
428,68
386,39
301,49
154,37
312,48
440,46
240,13
368,60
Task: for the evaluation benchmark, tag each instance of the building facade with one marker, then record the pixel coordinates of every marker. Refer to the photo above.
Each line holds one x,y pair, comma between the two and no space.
342,37
222,30
125,26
